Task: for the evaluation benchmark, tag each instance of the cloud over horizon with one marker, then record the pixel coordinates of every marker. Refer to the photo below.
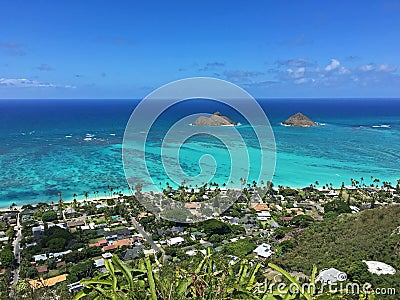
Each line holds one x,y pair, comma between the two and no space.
29,83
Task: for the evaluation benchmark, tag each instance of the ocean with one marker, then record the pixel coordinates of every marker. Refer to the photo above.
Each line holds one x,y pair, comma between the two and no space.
74,146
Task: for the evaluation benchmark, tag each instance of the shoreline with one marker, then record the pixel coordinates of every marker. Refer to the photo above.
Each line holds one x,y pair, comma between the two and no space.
18,207
66,202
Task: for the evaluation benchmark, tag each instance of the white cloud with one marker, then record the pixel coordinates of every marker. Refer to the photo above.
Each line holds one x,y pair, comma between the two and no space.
23,82
333,65
379,68
367,68
303,80
344,71
296,73
386,68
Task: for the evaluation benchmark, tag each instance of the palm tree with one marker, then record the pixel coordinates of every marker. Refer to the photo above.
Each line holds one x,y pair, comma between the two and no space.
86,195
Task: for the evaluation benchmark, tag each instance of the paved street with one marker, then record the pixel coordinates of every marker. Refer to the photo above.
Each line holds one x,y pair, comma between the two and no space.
17,250
146,236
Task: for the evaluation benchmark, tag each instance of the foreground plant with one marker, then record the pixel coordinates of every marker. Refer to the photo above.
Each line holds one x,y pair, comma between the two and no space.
211,278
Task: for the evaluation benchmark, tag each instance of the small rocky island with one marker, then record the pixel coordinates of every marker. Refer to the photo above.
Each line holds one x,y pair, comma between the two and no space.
300,120
215,120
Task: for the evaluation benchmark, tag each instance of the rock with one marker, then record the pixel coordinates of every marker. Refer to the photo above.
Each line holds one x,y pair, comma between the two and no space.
300,120
215,120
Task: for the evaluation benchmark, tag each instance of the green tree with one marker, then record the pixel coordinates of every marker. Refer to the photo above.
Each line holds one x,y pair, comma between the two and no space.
7,257
49,216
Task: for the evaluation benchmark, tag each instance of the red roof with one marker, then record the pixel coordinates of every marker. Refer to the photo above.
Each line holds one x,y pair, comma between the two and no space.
99,243
124,242
119,243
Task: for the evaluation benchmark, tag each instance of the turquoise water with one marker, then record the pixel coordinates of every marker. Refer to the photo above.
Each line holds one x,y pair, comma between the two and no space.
75,146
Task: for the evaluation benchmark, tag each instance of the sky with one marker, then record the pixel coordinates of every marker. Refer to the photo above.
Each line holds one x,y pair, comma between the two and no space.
272,49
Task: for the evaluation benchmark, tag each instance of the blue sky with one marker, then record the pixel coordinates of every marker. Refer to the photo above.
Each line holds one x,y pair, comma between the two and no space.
273,49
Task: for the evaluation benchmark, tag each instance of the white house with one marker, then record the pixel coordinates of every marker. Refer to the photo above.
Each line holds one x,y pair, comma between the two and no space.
264,250
40,257
330,275
38,229
264,216
379,268
99,263
175,241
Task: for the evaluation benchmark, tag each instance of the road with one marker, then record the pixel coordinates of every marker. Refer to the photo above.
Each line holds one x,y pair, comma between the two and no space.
146,236
17,250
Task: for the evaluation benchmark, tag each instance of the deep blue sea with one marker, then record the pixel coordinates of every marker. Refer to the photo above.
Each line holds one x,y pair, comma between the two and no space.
74,146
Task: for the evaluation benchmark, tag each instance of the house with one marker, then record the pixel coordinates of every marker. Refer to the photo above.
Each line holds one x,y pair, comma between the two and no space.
143,215
26,218
193,206
132,253
100,243
330,275
295,210
118,234
60,264
194,252
58,254
175,241
99,263
332,194
264,216
110,247
69,210
106,255
255,198
124,242
75,287
354,209
37,230
264,251
176,229
350,188
287,219
234,221
61,225
379,268
42,269
206,244
40,257
260,207
74,224
196,235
